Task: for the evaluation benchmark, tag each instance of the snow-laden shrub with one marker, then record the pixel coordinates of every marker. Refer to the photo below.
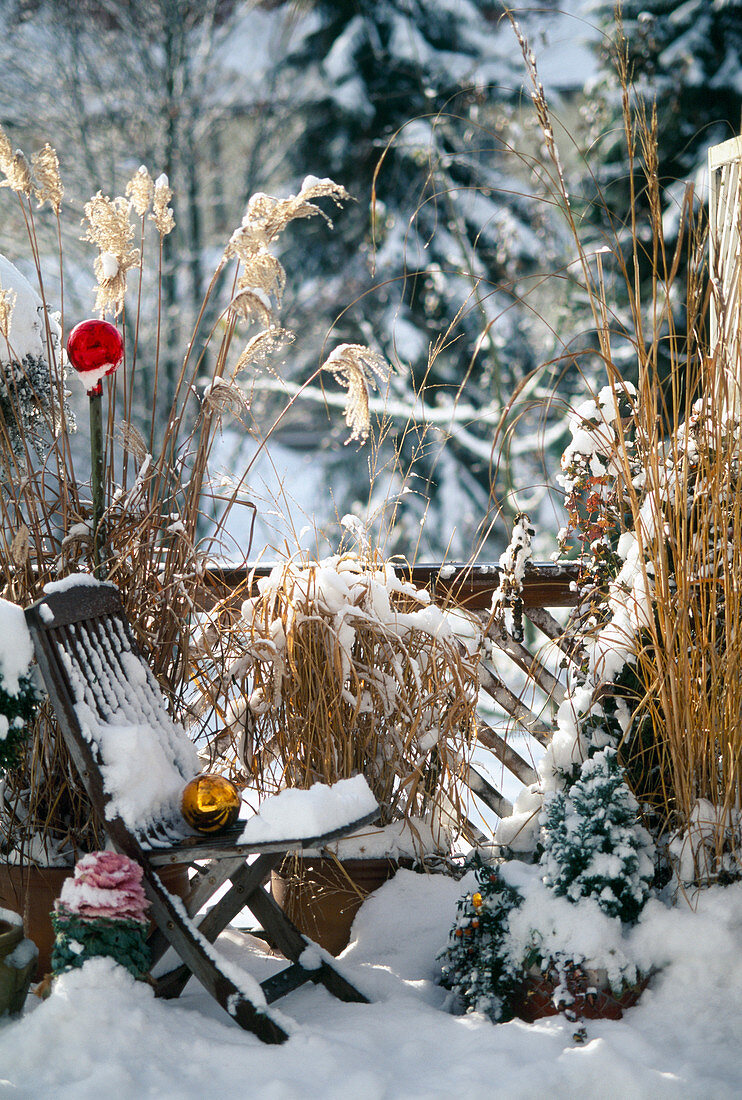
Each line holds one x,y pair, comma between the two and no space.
514,934
342,667
477,965
19,696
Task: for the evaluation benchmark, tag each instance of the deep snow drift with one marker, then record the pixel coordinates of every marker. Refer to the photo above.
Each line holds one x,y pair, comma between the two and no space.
103,1034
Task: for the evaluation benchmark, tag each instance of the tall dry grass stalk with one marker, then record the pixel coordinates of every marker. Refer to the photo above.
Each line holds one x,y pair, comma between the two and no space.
165,519
342,667
672,481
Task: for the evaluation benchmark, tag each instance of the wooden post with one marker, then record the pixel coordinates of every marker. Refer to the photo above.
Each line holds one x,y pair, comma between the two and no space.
725,268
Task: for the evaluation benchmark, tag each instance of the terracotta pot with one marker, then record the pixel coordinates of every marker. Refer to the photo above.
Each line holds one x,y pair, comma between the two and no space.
588,995
32,891
322,895
17,967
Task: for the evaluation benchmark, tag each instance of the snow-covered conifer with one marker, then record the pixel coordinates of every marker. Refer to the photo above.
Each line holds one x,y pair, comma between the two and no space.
594,843
477,966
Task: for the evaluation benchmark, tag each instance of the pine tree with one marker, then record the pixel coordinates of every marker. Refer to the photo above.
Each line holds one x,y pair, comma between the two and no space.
684,59
407,101
594,845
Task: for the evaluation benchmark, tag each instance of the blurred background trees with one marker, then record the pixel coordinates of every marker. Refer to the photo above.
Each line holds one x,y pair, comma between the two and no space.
418,108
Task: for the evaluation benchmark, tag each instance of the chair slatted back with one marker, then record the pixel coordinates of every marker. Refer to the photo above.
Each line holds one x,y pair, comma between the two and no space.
101,682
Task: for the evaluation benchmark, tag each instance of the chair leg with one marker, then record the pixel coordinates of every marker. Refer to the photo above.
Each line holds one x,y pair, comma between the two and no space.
247,892
245,1005
204,884
249,877
293,944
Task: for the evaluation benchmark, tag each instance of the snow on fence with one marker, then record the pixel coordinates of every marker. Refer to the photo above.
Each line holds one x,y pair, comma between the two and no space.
725,258
520,682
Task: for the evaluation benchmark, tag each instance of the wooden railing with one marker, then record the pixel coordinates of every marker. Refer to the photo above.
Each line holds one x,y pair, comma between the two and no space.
520,689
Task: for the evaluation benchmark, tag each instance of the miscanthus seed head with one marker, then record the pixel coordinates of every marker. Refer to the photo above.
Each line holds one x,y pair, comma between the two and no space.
48,181
357,369
132,441
18,174
162,215
109,228
140,189
263,345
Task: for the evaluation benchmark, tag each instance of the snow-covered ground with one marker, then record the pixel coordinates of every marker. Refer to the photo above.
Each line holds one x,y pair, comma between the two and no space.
103,1034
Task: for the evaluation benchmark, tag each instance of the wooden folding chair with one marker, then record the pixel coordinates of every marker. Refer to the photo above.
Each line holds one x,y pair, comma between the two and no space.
134,760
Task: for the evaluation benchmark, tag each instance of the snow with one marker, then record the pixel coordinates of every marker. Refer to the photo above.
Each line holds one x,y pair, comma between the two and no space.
10,917
322,808
27,335
16,652
102,1033
75,580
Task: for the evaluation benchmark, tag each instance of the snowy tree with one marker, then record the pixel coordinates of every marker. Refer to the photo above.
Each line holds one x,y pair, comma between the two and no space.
593,843
407,104
187,87
476,965
685,59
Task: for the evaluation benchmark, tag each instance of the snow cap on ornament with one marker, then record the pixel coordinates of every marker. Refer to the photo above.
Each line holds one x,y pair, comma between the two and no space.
95,349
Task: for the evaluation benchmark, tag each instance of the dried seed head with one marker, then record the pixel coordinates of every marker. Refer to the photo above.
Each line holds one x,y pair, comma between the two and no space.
48,186
357,369
6,151
262,346
266,216
140,190
7,304
18,174
270,216
250,306
223,396
262,271
110,230
21,545
162,215
132,441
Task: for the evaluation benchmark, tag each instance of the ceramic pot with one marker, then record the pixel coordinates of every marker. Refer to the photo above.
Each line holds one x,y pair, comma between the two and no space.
17,966
587,995
322,895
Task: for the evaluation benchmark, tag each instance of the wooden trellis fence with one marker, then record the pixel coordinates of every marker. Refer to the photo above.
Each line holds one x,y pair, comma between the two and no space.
519,689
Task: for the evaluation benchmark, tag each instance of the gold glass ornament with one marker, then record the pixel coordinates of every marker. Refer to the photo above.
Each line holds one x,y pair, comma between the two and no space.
210,802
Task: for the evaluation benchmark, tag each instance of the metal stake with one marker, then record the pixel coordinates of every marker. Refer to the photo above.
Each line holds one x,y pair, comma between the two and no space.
96,477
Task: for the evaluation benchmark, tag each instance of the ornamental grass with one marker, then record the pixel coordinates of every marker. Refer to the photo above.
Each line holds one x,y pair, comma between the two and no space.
165,516
655,496
342,667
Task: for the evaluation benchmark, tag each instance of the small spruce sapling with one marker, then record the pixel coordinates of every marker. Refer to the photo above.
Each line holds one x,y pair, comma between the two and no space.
477,966
594,845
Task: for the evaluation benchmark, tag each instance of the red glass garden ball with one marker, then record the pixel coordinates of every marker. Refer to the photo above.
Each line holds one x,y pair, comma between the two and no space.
95,348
